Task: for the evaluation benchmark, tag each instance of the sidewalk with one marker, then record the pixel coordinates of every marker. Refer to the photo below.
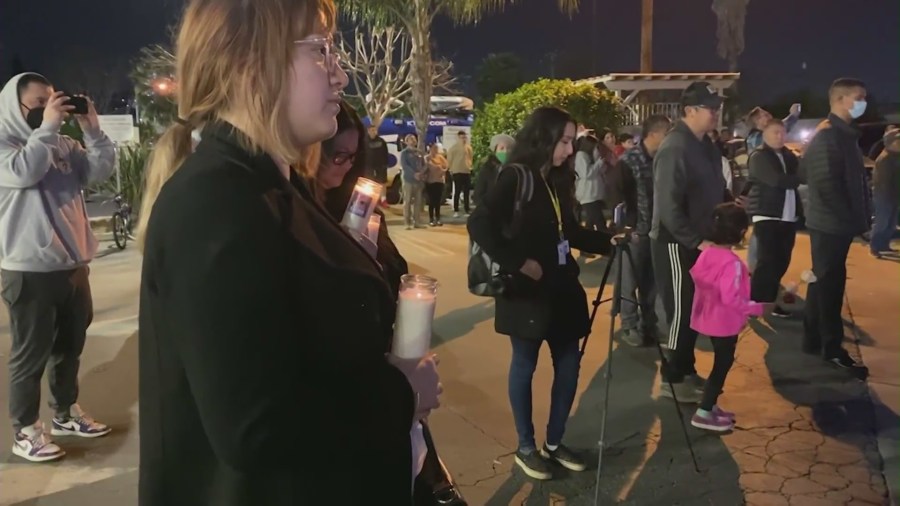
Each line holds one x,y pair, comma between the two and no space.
805,433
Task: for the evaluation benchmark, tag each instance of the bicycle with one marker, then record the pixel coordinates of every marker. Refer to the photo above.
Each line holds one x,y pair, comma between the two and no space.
121,222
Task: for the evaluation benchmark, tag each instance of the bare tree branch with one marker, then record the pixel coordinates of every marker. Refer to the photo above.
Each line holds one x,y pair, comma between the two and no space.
379,60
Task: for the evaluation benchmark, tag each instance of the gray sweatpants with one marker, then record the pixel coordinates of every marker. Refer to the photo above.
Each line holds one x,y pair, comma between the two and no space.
49,313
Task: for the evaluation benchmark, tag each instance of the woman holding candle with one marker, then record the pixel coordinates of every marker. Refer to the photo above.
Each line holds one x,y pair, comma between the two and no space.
258,312
546,301
433,481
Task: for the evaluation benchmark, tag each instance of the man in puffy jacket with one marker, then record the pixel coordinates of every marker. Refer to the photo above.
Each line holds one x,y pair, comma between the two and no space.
46,245
839,209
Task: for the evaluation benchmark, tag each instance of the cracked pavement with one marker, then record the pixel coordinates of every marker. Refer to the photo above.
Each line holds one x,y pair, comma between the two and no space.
805,435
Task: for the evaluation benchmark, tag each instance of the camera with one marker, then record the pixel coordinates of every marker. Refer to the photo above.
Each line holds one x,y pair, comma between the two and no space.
80,103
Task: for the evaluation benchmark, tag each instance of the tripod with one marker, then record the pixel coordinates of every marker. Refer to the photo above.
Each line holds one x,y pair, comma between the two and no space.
620,251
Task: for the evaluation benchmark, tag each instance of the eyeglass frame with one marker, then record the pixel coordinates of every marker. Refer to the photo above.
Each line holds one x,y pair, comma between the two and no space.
332,57
342,157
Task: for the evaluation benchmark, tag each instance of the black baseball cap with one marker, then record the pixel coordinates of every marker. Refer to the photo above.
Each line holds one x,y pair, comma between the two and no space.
701,94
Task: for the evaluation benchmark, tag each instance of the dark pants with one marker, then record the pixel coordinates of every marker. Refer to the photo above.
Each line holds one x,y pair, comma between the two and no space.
672,264
434,194
823,327
592,215
462,185
885,225
639,284
49,313
776,243
723,348
566,364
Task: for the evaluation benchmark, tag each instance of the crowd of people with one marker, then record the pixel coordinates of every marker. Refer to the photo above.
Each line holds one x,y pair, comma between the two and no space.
307,338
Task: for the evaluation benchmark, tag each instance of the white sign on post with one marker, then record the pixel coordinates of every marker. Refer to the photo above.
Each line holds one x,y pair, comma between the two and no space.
118,127
451,135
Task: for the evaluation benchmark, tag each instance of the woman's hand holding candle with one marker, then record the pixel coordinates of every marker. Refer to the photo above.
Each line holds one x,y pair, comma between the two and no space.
423,377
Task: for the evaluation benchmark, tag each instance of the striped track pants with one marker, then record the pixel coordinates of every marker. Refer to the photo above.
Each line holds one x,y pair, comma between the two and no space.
672,263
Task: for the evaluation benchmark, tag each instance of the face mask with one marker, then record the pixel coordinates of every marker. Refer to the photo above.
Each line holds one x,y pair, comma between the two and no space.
502,156
35,117
858,109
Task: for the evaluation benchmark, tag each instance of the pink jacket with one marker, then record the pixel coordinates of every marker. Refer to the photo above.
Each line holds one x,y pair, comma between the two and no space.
722,294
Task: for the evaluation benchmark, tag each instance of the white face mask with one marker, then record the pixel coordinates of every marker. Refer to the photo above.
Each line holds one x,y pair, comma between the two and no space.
858,109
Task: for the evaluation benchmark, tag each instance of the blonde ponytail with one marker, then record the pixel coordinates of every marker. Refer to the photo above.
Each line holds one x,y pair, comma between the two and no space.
169,152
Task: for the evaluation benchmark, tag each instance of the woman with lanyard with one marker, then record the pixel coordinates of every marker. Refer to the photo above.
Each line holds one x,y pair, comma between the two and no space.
545,301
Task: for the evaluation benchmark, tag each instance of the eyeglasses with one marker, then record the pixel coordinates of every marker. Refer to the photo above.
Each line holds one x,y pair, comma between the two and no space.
340,158
326,45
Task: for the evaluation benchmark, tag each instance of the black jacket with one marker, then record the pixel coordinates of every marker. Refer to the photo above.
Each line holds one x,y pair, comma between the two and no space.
263,329
486,177
832,166
770,180
636,166
688,185
556,306
377,156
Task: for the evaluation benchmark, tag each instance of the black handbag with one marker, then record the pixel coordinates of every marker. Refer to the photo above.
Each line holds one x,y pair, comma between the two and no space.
484,275
434,486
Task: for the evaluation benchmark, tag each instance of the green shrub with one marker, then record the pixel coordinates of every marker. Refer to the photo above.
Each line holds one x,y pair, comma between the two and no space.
132,158
507,112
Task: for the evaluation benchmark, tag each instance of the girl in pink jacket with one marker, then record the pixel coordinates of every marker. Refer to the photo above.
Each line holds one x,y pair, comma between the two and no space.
721,307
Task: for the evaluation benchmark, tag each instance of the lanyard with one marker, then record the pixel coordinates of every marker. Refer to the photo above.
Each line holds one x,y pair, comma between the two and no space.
554,199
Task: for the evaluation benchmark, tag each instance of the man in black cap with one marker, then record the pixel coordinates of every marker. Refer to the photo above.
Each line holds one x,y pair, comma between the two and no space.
688,185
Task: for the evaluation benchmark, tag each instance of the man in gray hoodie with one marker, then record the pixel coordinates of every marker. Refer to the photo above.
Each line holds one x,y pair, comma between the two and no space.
46,244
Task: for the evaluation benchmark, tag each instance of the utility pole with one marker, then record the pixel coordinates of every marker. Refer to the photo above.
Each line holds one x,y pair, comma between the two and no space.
646,36
594,35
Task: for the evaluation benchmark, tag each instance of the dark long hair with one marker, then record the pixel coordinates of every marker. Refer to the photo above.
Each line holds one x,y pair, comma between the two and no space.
335,200
537,139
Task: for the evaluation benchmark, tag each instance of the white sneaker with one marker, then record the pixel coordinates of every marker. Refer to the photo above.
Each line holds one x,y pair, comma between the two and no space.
33,444
78,424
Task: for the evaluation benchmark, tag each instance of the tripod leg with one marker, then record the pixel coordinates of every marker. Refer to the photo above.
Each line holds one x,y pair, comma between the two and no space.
598,299
613,313
664,362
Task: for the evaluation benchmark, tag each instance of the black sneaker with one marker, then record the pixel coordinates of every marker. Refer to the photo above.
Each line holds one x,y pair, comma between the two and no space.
845,362
565,457
534,465
780,312
633,338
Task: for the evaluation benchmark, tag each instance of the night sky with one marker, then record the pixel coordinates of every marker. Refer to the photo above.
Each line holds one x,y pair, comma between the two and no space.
832,37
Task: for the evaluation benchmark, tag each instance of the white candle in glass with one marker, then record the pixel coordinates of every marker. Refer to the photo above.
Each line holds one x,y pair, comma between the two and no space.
366,194
415,314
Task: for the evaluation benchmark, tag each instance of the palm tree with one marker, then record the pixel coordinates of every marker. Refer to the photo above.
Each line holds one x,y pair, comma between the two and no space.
730,32
416,16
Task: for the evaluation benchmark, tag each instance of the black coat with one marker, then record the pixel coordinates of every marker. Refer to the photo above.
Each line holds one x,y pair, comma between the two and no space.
263,329
485,179
556,306
832,166
770,180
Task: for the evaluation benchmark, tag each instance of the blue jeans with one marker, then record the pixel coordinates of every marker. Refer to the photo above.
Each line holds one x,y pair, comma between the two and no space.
641,290
566,364
885,224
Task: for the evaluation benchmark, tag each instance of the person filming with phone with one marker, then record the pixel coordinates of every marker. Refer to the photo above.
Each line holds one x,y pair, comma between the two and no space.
46,245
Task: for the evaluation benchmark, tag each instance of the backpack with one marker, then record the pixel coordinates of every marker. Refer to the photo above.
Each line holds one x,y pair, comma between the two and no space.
484,274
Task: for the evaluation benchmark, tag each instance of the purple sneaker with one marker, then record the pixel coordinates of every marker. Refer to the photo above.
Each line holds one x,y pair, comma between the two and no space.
717,411
78,424
33,444
712,422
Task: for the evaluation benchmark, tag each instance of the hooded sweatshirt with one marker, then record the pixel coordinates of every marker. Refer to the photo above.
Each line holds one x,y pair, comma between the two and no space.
721,294
44,226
